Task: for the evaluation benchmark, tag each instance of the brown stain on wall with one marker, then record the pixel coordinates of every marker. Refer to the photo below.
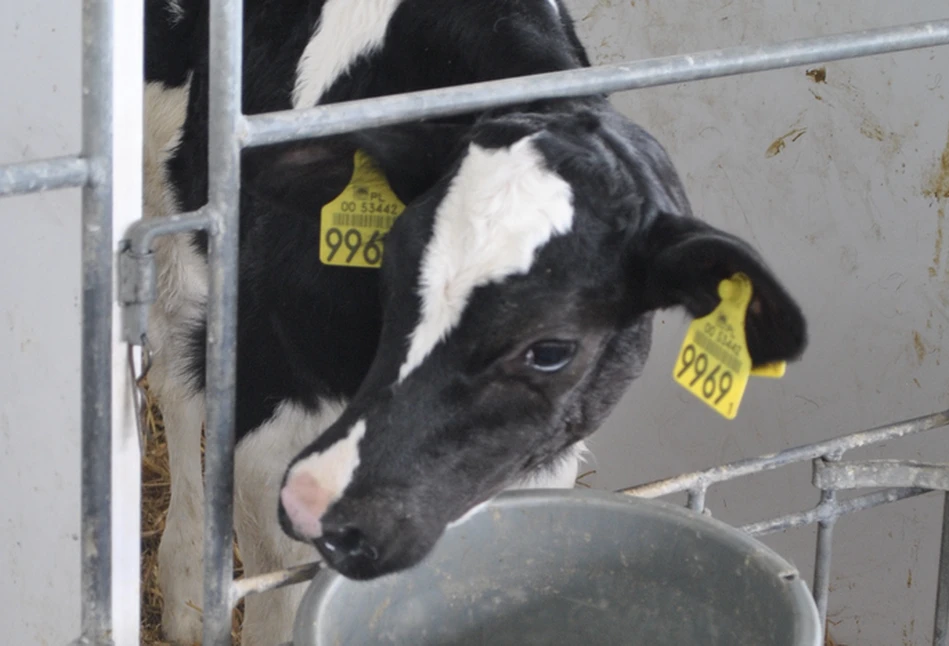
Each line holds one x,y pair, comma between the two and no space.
920,348
938,188
937,250
818,74
778,144
871,130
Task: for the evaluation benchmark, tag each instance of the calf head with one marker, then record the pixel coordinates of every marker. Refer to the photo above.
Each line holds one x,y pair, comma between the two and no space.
518,295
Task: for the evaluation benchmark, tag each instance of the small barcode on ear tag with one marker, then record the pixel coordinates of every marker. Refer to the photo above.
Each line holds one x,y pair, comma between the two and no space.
713,362
353,226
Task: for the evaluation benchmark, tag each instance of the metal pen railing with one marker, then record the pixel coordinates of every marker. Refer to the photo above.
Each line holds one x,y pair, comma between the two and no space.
230,132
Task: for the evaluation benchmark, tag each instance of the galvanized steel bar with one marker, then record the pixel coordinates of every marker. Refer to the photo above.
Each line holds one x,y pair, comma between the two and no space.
749,466
941,625
96,492
224,153
825,539
43,175
289,125
840,508
138,271
881,473
142,234
273,580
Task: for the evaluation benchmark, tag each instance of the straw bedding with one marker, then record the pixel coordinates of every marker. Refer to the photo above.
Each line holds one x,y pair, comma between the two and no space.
156,493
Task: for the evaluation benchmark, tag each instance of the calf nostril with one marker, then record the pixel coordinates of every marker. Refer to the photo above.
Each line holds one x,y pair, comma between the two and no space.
348,541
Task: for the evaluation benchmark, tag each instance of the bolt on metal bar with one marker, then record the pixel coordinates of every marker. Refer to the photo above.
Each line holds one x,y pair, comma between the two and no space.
749,466
941,626
224,154
288,125
96,496
696,501
43,175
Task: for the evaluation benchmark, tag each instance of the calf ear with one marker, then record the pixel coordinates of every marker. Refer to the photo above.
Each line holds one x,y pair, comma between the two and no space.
413,157
685,260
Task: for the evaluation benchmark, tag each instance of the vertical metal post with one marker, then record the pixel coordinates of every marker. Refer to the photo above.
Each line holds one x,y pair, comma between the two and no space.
941,627
96,545
224,102
696,501
825,539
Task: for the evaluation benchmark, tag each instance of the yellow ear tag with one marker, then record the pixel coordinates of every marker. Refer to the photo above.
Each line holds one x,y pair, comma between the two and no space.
353,226
713,363
770,370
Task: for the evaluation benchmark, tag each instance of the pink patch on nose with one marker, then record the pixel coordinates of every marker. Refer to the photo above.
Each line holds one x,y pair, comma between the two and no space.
305,502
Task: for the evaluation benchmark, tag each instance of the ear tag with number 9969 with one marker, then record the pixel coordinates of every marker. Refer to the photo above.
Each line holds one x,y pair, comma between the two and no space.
353,226
713,362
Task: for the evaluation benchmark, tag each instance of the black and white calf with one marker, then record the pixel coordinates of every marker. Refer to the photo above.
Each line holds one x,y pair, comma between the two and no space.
512,309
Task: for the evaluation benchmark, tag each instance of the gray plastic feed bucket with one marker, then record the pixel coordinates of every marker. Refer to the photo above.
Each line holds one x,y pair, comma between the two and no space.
577,568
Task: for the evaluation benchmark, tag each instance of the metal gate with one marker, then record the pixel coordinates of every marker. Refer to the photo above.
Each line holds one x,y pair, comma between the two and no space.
112,105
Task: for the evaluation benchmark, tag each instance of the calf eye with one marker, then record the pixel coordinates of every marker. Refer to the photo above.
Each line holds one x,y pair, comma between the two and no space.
550,356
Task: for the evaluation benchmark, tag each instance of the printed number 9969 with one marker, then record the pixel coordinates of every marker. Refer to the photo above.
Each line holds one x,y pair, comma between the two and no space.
716,382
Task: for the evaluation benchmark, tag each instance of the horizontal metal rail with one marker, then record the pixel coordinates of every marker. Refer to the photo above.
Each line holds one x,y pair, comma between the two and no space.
828,513
43,175
272,580
905,479
278,127
701,480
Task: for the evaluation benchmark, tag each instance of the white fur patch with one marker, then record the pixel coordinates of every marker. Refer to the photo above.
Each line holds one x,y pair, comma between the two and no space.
330,471
562,476
181,550
182,293
182,271
347,29
501,207
260,461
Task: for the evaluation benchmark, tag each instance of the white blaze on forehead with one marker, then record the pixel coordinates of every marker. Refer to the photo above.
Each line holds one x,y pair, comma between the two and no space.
501,206
347,29
317,481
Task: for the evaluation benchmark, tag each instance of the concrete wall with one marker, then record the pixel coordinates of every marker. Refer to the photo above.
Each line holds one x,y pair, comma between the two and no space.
39,330
845,214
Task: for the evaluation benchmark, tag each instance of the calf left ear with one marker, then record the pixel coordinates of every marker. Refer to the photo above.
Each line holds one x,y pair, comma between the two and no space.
681,262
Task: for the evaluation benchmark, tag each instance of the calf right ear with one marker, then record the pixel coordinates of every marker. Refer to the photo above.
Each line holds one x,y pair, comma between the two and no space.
681,262
413,158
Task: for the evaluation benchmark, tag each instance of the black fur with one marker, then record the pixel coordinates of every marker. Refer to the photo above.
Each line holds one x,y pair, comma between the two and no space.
472,418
